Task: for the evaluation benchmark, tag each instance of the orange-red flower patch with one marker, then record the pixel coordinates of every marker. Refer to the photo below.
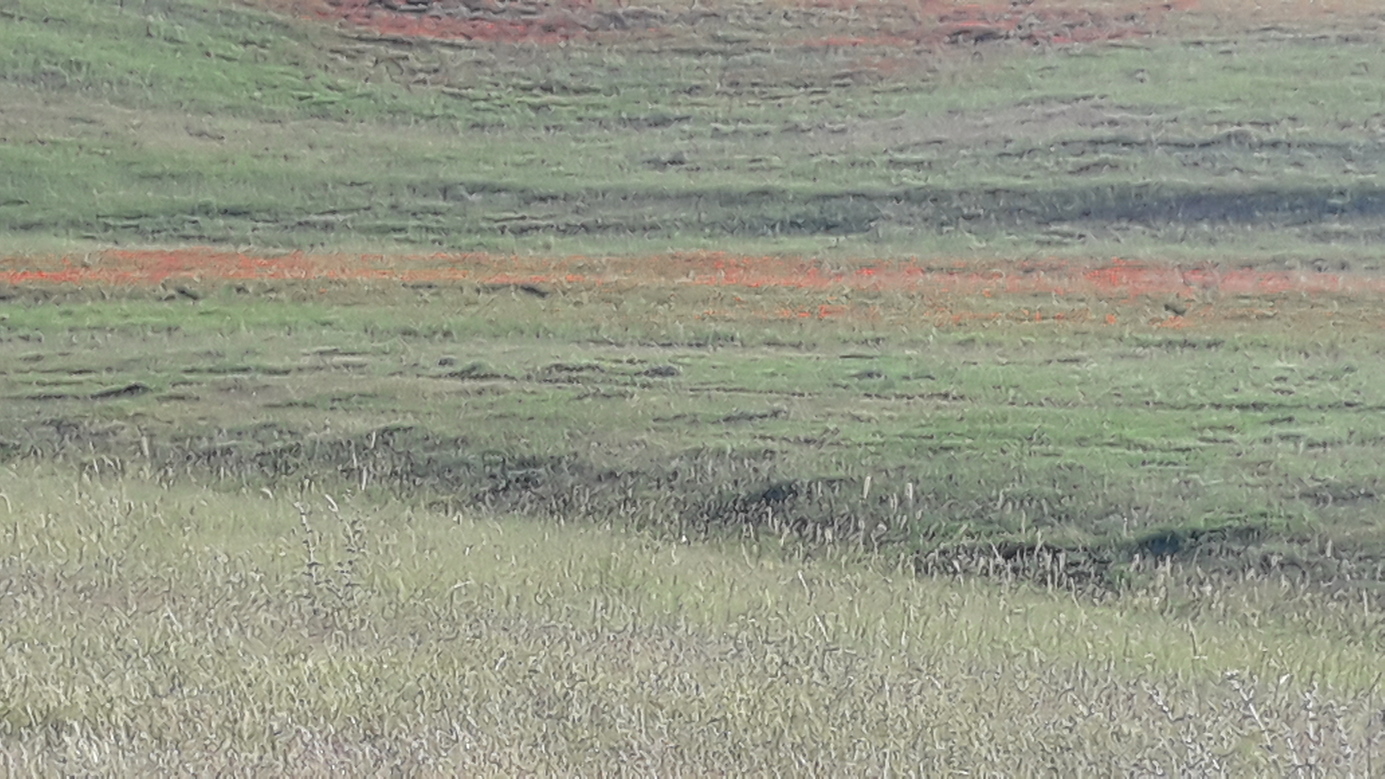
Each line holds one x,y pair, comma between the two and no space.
1114,279
962,293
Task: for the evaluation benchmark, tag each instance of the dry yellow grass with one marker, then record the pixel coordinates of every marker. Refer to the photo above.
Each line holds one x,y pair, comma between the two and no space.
153,630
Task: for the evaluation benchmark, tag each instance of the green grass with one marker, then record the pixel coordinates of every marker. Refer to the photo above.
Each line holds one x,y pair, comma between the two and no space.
196,122
917,438
155,629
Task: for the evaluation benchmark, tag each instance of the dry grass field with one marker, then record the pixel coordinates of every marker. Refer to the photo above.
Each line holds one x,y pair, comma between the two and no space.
184,629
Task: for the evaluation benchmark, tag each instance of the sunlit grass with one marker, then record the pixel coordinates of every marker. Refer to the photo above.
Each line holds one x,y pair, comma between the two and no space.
189,629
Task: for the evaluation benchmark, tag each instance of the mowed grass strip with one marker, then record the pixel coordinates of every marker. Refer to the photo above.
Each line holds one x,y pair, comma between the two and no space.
154,629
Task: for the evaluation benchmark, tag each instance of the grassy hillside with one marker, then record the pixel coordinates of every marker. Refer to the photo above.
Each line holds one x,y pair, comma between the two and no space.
904,474
200,122
152,630
947,430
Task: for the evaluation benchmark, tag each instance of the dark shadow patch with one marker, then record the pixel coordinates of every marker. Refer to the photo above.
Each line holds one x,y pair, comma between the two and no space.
131,390
778,493
473,371
1340,495
1166,542
528,289
1079,568
753,416
1188,343
573,367
662,371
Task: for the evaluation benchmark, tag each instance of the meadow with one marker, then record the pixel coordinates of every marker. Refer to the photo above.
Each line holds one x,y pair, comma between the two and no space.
187,122
758,389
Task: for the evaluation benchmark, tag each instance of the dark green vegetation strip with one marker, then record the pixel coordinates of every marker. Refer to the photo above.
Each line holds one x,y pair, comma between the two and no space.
195,121
1010,444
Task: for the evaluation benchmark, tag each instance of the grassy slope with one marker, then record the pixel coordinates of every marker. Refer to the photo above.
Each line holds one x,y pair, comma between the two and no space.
1244,446
156,629
202,122
568,648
